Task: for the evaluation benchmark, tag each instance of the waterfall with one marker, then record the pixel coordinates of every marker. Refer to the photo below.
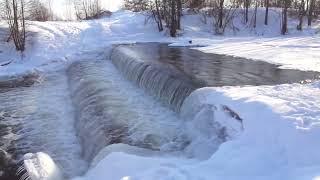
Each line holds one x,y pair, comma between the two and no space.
95,125
164,83
207,124
110,110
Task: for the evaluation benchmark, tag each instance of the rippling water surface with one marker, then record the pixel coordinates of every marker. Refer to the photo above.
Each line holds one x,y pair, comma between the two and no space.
214,69
39,117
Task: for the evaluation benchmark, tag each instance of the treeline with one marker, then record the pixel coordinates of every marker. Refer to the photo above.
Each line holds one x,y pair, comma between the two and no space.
169,12
17,12
87,9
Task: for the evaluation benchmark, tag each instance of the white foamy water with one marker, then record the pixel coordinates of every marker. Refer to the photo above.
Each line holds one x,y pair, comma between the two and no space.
40,118
113,110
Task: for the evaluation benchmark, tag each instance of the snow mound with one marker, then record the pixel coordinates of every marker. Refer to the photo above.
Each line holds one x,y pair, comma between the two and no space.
209,124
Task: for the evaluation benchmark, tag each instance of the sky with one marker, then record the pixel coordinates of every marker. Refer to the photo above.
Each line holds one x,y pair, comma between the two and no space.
59,6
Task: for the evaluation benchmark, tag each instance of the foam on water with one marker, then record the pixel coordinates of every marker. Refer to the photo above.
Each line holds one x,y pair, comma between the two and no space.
40,118
206,125
112,110
106,109
167,85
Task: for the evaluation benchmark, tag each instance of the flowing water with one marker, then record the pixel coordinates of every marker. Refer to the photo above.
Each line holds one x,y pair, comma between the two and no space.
73,114
111,110
169,86
38,116
171,74
214,69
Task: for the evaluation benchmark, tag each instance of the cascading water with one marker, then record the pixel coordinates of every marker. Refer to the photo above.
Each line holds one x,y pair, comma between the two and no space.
167,85
39,118
214,70
111,110
206,125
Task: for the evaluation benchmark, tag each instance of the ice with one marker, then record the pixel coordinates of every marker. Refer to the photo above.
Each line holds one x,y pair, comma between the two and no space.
40,166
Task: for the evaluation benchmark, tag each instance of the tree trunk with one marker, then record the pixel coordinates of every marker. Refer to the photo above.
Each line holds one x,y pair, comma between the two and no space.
246,15
267,12
310,14
284,28
16,20
255,15
220,19
160,26
173,24
301,15
23,27
179,13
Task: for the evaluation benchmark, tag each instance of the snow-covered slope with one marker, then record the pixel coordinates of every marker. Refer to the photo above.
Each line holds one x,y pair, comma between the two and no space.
280,140
54,43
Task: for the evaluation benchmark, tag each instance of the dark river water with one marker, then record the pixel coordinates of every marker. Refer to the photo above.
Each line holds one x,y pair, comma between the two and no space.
217,70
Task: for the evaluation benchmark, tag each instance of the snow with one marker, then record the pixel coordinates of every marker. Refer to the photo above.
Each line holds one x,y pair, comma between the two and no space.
280,140
292,52
50,44
281,123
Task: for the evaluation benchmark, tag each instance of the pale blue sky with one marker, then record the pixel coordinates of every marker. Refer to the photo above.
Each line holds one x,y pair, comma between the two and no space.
59,6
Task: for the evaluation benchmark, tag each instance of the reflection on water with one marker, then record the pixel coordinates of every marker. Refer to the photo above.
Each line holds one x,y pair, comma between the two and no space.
217,70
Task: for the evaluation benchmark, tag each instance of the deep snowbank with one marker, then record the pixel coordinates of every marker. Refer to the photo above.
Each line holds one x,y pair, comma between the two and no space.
280,140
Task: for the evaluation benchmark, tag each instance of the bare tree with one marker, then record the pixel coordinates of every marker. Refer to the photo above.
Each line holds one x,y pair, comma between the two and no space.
246,9
38,11
220,16
284,28
310,12
157,15
15,15
87,9
49,7
195,3
267,12
69,13
301,15
170,12
179,13
136,5
255,14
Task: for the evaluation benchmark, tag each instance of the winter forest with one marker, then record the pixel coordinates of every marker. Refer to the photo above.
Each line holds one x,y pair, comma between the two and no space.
159,89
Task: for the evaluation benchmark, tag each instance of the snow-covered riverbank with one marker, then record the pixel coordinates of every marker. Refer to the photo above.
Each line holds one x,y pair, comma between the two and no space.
52,43
282,123
280,141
